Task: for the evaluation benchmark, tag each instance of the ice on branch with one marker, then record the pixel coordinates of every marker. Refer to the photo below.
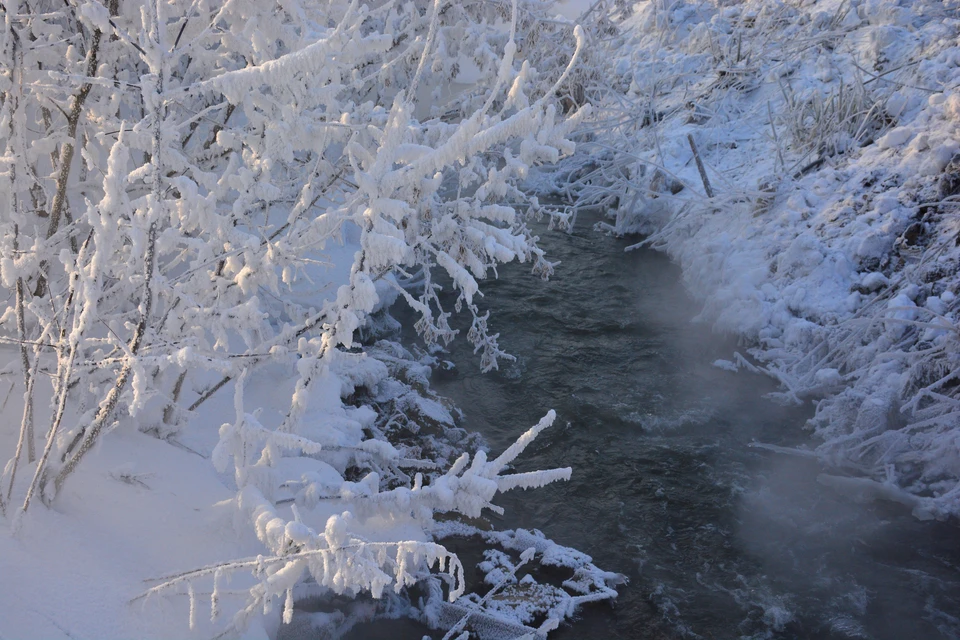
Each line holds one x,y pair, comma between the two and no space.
205,198
334,553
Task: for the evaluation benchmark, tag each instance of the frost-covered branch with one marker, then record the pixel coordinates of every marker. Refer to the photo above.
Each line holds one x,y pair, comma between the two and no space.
217,157
335,555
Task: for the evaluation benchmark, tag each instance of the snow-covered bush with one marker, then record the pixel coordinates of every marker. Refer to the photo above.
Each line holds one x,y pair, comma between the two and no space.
337,552
177,172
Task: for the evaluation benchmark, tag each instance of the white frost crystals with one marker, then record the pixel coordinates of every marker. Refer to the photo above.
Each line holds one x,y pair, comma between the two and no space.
334,552
198,192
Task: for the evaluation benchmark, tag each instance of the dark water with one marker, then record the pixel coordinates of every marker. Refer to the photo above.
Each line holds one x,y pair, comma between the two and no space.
719,540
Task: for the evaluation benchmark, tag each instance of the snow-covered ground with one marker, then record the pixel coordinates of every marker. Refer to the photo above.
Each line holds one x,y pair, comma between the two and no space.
140,509
143,509
828,136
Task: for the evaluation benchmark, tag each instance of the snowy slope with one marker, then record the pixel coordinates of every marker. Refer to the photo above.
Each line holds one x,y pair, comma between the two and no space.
828,135
141,509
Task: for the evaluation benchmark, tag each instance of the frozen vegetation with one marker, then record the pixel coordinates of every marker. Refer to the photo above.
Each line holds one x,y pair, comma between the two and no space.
801,162
208,208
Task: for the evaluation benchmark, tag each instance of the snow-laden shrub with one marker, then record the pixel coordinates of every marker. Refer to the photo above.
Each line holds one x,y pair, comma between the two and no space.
175,174
339,557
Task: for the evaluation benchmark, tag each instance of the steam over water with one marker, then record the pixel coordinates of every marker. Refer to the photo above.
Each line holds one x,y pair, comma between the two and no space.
719,540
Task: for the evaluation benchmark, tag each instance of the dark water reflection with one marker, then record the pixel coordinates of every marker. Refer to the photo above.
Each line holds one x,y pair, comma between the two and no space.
719,540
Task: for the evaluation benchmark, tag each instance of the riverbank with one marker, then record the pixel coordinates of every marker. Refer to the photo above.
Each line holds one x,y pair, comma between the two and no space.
189,250
148,509
799,162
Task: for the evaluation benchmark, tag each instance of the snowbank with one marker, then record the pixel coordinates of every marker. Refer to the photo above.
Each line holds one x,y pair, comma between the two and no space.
141,508
828,135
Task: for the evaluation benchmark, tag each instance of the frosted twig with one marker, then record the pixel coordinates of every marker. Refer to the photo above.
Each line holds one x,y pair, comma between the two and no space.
703,172
66,359
525,557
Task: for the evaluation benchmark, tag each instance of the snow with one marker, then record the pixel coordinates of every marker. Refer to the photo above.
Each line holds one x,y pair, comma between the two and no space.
71,571
829,131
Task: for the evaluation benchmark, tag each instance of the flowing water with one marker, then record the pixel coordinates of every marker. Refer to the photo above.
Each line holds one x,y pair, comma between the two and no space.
718,539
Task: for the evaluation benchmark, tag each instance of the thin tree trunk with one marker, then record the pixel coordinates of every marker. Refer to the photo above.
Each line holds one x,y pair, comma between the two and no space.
58,207
26,422
113,396
64,372
25,364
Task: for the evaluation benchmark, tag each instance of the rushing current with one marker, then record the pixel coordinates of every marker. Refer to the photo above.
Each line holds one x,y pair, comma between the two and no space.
718,539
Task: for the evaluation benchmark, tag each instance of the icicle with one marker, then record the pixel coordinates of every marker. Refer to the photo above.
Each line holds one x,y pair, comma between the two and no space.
288,608
193,606
215,596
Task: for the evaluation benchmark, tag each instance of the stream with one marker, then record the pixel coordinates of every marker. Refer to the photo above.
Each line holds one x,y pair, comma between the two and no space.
718,539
